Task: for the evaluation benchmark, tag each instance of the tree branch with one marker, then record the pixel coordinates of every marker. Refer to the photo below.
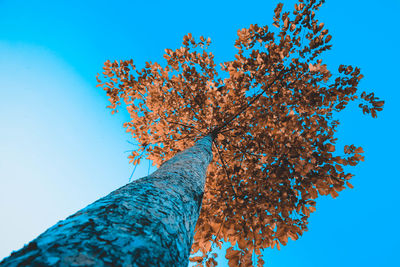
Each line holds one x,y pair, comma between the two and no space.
216,130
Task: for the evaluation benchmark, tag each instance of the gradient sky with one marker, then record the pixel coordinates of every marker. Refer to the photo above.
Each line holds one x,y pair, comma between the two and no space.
61,149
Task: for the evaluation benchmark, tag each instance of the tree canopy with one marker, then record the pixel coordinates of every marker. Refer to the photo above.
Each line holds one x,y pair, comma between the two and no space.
272,112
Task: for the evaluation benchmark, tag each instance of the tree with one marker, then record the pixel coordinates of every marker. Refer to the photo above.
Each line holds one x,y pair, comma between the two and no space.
270,115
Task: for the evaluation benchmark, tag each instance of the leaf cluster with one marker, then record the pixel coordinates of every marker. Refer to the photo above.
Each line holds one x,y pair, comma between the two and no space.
272,117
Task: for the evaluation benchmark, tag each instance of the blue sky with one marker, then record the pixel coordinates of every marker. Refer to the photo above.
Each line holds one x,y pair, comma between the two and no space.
61,149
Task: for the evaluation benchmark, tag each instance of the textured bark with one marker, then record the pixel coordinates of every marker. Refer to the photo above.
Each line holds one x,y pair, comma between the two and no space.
149,222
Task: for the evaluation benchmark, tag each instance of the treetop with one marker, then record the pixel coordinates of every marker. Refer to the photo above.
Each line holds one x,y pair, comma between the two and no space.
271,112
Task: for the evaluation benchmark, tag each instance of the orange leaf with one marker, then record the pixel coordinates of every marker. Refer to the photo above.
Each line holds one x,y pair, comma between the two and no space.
196,259
350,185
359,150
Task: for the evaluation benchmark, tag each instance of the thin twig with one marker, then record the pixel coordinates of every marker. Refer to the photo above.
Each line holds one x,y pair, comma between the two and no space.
184,125
220,227
134,169
225,168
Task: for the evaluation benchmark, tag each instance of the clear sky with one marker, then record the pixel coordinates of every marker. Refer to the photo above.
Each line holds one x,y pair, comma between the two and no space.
60,149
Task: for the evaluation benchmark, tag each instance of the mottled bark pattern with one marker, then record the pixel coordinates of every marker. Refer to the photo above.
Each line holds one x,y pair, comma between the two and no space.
149,222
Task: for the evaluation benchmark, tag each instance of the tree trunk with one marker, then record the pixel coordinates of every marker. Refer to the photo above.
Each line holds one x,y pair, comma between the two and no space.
148,222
